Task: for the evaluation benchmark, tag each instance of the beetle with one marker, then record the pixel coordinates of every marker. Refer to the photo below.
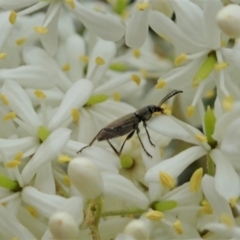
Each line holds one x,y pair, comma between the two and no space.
129,124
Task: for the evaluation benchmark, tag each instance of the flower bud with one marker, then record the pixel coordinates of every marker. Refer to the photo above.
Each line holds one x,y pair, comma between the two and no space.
137,229
228,20
63,226
85,177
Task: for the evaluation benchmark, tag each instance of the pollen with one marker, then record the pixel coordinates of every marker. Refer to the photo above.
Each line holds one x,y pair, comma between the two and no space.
195,181
116,96
225,219
20,41
167,109
40,30
71,3
39,94
66,181
206,207
136,53
9,116
3,55
33,211
83,58
4,99
209,94
154,215
166,180
12,164
66,67
12,17
233,201
201,138
99,61
64,159
142,6
180,59
228,103
220,66
75,114
161,84
178,227
18,156
190,111
136,79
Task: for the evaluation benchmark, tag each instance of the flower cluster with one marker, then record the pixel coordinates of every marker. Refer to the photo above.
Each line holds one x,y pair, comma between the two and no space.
69,68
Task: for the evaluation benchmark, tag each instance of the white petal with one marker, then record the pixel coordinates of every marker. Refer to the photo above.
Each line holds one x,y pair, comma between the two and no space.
31,76
167,28
49,150
137,28
45,203
105,26
15,4
227,181
10,226
173,128
121,188
175,165
213,33
137,229
220,206
6,27
20,103
75,97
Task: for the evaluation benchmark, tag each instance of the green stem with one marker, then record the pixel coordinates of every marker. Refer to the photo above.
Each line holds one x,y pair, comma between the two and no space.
123,212
210,166
7,183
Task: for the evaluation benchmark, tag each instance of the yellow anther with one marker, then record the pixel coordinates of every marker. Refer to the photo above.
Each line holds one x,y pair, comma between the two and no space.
190,111
39,94
84,59
195,181
71,3
66,181
180,59
206,207
233,201
116,97
99,61
144,72
154,215
33,211
228,103
12,164
201,138
66,67
223,43
220,66
10,115
20,41
227,220
136,79
166,180
142,6
161,84
167,109
178,227
15,238
40,30
75,114
18,156
209,94
64,159
4,99
12,17
136,53
125,15
3,55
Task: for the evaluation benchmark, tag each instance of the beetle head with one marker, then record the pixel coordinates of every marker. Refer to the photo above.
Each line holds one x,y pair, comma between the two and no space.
152,109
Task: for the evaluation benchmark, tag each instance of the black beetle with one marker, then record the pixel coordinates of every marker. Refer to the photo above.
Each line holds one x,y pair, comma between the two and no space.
129,124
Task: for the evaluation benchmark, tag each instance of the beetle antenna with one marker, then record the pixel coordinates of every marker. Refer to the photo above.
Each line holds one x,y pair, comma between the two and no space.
172,93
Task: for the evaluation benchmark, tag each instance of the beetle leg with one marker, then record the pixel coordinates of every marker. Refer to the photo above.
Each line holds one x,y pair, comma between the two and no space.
90,144
145,126
142,143
128,137
114,149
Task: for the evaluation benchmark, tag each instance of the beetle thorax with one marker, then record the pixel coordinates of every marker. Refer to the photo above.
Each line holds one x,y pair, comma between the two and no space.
145,113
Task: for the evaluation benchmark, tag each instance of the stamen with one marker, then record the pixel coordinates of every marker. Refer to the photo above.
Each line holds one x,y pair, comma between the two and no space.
154,215
64,159
206,207
209,94
66,67
142,6
220,66
75,114
99,61
195,181
233,201
4,99
136,79
71,3
9,116
12,17
226,220
228,103
33,211
178,227
201,138
66,181
136,53
116,97
84,59
12,164
166,180
190,111
180,59
3,55
161,84
39,94
20,41
40,30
